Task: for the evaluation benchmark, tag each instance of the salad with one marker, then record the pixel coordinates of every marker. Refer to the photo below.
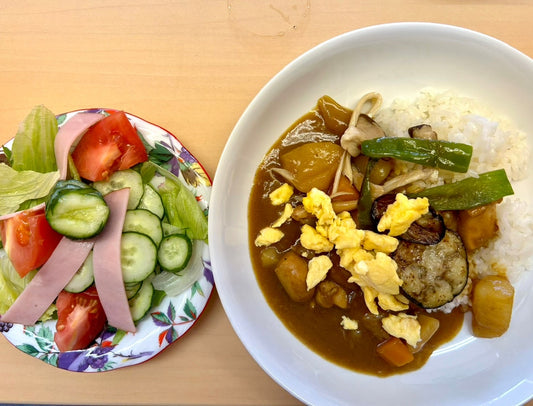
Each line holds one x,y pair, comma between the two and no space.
96,230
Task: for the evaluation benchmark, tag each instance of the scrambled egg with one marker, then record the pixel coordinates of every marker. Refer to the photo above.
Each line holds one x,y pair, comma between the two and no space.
403,326
379,242
311,239
363,253
402,213
343,232
379,280
317,269
319,204
281,195
271,235
287,213
268,236
349,324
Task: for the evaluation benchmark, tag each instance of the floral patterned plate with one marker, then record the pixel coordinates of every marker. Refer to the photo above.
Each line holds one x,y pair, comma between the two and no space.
166,322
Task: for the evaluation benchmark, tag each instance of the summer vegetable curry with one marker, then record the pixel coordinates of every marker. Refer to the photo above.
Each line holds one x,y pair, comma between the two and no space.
360,241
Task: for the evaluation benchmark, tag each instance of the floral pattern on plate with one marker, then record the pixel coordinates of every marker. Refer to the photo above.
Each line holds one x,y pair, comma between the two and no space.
166,322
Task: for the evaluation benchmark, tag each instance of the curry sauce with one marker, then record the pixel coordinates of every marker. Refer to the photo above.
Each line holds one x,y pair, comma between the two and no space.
318,327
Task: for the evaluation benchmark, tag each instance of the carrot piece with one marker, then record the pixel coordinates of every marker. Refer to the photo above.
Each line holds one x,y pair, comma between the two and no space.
395,352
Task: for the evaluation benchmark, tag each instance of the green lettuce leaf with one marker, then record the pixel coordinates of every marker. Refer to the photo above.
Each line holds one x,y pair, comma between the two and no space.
19,187
12,285
33,146
180,204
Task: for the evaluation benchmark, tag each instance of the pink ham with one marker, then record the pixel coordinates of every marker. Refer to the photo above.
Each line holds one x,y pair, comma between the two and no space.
48,282
67,135
107,266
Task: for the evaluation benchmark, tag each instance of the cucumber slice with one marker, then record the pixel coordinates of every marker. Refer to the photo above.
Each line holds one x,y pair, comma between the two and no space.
144,222
141,303
151,201
174,252
127,178
132,289
83,278
76,210
138,256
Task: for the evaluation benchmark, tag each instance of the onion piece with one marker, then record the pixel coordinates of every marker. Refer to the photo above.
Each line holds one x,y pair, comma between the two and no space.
174,284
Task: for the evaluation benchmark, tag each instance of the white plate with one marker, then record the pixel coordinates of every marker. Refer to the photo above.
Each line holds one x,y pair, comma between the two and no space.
395,60
165,323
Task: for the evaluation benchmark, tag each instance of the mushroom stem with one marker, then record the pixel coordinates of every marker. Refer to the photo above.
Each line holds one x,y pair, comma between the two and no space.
373,97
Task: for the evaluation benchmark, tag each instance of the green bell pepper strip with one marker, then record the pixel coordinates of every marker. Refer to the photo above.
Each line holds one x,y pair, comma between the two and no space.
448,155
364,207
468,193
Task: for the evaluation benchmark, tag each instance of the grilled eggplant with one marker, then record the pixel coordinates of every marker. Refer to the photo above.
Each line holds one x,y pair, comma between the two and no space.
432,275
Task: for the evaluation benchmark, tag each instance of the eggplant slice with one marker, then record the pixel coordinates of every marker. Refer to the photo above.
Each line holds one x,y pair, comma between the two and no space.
429,229
432,274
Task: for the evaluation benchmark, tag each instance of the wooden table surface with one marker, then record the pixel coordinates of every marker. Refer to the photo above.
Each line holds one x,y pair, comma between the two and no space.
192,66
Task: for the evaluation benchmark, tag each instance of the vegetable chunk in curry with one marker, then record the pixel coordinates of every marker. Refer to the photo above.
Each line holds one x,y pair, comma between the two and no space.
360,251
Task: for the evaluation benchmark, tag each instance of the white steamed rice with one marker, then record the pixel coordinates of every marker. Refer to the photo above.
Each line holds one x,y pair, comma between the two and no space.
496,145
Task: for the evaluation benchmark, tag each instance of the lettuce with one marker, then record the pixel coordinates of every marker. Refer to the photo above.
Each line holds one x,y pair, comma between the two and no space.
19,187
180,204
12,285
33,146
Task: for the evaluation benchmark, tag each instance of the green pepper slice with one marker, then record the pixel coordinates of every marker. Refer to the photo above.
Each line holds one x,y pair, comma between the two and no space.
452,156
468,193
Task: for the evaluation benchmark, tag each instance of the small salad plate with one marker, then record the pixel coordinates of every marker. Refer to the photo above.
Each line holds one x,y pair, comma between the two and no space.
166,322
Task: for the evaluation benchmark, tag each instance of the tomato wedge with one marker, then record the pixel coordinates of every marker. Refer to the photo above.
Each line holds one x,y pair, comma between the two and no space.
28,240
80,318
110,145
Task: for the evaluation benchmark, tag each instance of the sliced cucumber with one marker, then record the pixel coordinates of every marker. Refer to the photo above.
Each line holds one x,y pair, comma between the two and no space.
83,278
141,303
169,229
138,256
144,222
76,210
132,289
174,252
151,201
127,178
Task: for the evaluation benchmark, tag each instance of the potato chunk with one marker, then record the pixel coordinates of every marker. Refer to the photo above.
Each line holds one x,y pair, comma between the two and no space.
478,226
312,165
329,293
492,305
292,273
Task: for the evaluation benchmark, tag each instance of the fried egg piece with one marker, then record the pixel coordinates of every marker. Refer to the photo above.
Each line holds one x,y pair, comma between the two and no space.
268,236
313,240
317,270
403,326
281,195
402,213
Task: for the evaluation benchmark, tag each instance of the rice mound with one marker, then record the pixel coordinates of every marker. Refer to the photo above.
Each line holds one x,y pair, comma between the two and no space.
496,144
461,119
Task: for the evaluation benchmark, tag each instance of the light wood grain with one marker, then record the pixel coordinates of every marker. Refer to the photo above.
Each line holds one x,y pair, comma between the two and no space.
191,66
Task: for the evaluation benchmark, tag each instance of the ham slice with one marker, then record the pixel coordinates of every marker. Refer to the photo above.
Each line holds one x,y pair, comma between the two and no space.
67,135
107,267
53,276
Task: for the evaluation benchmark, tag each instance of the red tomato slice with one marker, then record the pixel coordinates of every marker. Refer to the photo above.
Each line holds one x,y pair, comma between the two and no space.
28,240
111,144
80,318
